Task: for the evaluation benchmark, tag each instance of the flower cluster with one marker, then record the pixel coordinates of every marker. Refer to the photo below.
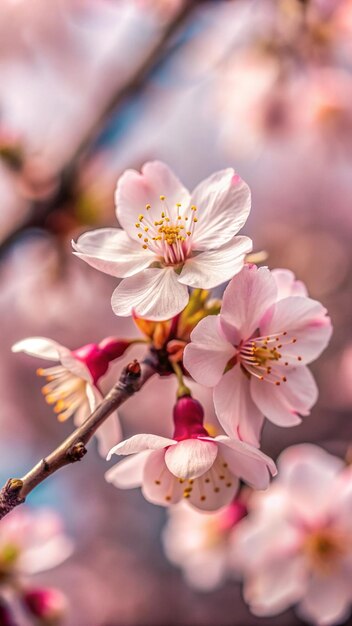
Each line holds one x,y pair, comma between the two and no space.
252,348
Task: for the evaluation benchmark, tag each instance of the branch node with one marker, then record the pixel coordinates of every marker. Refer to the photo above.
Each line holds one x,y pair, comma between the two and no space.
77,451
46,465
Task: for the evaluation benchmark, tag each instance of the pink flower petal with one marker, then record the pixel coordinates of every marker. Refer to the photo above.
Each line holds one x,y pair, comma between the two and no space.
128,473
154,294
110,250
208,353
160,486
282,404
287,285
191,458
237,413
134,191
276,587
304,318
223,204
246,299
309,474
138,443
327,601
211,268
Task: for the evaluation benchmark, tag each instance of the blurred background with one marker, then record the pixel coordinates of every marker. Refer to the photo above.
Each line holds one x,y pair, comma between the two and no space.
89,88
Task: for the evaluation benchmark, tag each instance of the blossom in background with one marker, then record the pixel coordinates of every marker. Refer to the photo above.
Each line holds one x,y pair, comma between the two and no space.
31,542
72,386
169,240
295,546
198,542
255,352
191,466
47,605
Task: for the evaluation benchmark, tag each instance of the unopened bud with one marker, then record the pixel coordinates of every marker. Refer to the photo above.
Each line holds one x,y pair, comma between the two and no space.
114,348
188,418
47,605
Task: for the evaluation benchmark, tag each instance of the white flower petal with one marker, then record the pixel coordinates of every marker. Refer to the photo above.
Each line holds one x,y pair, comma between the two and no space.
128,473
246,299
208,353
39,346
191,458
137,443
154,294
134,191
160,486
213,267
110,432
247,462
214,494
110,250
223,204
235,409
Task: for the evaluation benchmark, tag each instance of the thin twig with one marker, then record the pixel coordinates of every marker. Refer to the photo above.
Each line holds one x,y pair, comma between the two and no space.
73,449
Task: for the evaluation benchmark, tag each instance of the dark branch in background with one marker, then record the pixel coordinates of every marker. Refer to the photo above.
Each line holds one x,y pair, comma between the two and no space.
73,449
65,190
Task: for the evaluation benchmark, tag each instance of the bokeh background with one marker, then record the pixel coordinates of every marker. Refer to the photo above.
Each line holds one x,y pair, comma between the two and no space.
89,88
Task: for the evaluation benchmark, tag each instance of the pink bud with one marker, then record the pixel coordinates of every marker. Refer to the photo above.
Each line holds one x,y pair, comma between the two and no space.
114,348
188,419
48,605
94,358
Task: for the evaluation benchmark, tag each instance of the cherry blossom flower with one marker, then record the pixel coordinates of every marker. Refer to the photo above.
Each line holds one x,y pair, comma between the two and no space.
169,240
295,546
191,466
31,542
72,386
254,354
199,542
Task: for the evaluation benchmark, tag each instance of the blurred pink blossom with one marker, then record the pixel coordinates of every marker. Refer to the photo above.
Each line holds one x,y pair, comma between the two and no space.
295,547
199,542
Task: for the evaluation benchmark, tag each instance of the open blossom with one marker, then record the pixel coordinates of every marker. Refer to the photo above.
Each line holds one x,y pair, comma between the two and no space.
191,466
72,386
31,541
295,546
254,354
199,542
169,239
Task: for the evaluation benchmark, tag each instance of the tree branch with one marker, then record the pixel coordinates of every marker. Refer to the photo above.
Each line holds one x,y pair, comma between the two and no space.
73,449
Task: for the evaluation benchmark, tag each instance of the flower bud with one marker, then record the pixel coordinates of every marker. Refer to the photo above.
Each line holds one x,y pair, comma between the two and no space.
47,605
114,348
188,418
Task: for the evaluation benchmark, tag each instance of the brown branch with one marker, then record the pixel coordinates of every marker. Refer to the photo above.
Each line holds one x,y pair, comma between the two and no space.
73,449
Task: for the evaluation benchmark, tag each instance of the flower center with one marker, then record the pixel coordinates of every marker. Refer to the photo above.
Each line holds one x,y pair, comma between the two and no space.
170,236
63,389
324,548
267,357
